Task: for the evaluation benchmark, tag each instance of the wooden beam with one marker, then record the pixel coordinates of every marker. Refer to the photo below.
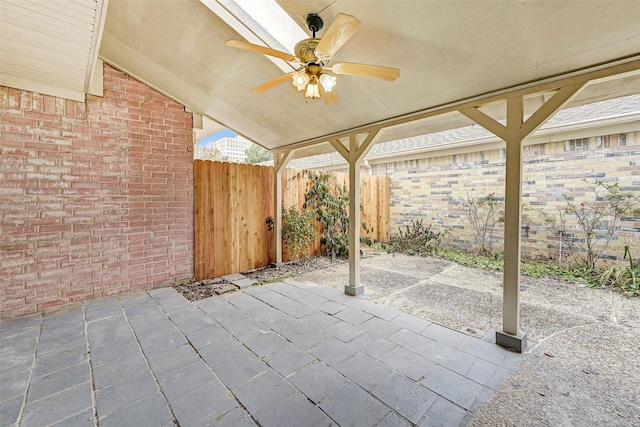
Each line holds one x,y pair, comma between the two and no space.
489,123
627,65
550,107
281,159
367,144
340,148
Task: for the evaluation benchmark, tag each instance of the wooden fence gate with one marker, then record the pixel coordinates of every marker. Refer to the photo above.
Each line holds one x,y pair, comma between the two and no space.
234,200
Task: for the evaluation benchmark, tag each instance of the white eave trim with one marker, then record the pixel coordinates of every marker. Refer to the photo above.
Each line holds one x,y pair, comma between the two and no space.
41,87
585,129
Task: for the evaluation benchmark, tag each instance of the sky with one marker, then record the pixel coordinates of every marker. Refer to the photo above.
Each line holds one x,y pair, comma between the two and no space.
216,136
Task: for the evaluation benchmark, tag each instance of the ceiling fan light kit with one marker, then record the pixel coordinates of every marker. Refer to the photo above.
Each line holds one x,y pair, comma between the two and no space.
313,54
328,82
312,90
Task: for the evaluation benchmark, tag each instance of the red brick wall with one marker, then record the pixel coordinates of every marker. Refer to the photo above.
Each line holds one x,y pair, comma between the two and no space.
96,197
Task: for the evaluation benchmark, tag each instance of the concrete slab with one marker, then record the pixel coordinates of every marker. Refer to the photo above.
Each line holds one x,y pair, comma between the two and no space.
291,355
454,387
289,359
151,410
409,399
443,413
372,345
56,382
244,283
294,411
264,392
332,351
318,381
352,406
365,371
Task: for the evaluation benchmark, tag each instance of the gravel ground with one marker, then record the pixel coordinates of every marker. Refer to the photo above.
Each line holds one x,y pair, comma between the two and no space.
584,376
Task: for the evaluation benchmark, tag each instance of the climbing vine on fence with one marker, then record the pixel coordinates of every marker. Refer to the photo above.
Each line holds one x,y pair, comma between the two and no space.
330,210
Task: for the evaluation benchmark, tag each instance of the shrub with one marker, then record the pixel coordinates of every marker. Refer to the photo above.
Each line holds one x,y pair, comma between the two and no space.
416,240
589,226
482,212
298,232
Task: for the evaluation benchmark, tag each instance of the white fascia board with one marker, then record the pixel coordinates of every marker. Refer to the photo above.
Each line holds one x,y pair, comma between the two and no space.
94,81
585,129
41,87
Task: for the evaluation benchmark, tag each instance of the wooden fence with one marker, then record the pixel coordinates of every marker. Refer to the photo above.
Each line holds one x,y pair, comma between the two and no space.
233,202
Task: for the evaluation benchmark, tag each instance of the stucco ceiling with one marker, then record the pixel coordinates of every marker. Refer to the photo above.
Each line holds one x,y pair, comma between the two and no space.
447,51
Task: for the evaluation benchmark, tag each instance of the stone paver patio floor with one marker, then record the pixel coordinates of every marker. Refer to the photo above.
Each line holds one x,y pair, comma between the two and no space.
284,354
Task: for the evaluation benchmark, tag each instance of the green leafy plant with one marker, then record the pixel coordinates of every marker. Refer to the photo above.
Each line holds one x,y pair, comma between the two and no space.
627,279
330,210
366,240
493,261
417,239
482,212
298,232
589,226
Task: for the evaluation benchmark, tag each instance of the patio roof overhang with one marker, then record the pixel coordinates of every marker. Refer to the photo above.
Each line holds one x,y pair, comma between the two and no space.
460,62
448,53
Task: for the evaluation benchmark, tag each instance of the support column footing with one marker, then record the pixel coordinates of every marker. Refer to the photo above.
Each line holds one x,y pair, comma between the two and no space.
354,291
516,343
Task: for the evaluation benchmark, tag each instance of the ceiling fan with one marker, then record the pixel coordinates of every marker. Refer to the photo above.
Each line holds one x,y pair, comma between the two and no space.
314,55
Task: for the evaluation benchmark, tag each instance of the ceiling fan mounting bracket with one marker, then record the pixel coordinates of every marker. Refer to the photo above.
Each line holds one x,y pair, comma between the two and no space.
314,22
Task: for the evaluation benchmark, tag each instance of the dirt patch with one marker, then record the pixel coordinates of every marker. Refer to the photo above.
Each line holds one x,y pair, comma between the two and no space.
198,290
195,291
291,269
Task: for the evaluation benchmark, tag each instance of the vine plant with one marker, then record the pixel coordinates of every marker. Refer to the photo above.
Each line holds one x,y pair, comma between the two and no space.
330,210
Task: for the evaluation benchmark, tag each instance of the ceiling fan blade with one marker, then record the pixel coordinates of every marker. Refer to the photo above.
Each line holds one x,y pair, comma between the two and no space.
239,44
363,70
329,98
339,32
272,83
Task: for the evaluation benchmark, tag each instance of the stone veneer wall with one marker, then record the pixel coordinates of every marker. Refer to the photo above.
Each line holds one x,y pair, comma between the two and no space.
420,188
96,197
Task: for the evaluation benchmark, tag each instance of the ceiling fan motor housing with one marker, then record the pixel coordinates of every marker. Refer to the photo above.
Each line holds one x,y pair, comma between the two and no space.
305,50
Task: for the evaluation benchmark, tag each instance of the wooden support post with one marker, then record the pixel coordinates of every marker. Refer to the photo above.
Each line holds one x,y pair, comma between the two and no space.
512,220
280,160
354,154
354,288
516,130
